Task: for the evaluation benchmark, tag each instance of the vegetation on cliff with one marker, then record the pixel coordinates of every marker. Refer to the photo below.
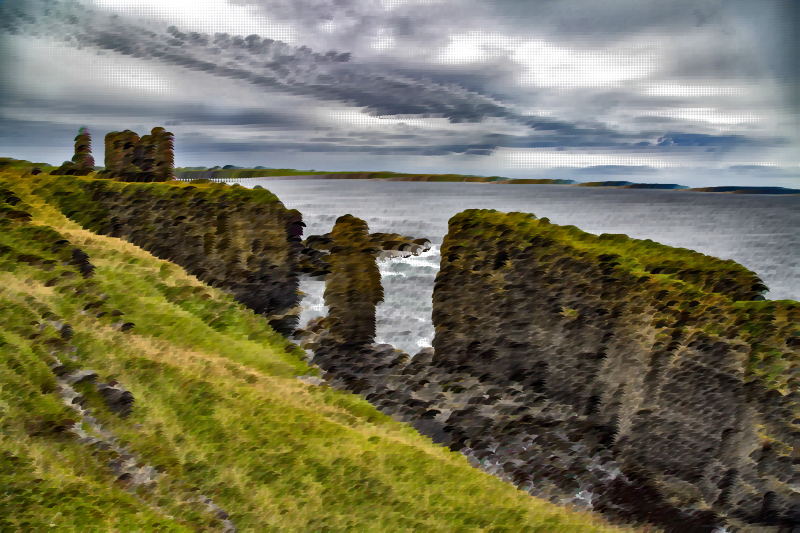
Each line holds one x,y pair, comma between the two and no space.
243,241
667,358
134,397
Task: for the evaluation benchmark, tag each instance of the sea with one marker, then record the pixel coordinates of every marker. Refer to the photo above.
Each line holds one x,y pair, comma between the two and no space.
761,232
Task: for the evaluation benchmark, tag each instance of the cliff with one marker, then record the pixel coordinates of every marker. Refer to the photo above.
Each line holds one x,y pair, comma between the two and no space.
353,287
241,240
652,384
134,397
661,353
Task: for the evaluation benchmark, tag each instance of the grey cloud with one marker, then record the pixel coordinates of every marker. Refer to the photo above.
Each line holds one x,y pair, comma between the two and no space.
751,169
401,137
296,71
716,59
200,10
704,16
748,39
699,139
618,169
653,120
337,73
403,26
316,10
590,19
372,149
172,114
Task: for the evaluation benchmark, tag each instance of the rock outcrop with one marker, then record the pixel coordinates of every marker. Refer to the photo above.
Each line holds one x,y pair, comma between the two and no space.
315,256
353,287
651,384
243,241
666,354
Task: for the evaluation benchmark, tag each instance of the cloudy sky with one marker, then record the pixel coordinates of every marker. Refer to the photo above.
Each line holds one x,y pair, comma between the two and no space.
697,92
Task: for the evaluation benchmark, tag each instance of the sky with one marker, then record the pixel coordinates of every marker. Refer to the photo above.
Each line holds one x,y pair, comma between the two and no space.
699,93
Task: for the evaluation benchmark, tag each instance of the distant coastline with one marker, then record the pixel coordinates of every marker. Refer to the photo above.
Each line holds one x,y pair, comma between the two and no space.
292,174
232,173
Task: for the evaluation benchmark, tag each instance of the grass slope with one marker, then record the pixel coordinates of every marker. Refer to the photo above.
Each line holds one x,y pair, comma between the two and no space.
218,410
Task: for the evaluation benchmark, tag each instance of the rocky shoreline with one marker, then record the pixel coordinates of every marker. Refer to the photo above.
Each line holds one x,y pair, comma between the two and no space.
521,437
587,377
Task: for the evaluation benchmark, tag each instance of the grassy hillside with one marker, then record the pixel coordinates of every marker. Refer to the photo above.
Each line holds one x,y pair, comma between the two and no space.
219,431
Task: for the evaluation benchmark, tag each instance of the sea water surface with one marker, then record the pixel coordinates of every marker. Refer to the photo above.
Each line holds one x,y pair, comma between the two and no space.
758,231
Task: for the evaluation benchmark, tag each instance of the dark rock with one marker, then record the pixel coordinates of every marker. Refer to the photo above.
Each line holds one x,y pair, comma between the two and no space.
118,400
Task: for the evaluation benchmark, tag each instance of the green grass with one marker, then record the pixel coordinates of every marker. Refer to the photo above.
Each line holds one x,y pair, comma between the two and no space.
217,408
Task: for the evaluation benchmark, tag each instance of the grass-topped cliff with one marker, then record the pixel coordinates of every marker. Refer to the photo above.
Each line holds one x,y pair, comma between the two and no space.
669,359
652,384
695,291
134,397
243,241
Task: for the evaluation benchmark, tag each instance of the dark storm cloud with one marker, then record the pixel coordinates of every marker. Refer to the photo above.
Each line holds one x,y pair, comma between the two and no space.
608,18
175,114
699,139
246,147
342,67
273,65
252,117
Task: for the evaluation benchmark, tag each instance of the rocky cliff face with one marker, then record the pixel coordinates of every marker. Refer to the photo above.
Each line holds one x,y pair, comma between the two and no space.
243,241
645,382
679,373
